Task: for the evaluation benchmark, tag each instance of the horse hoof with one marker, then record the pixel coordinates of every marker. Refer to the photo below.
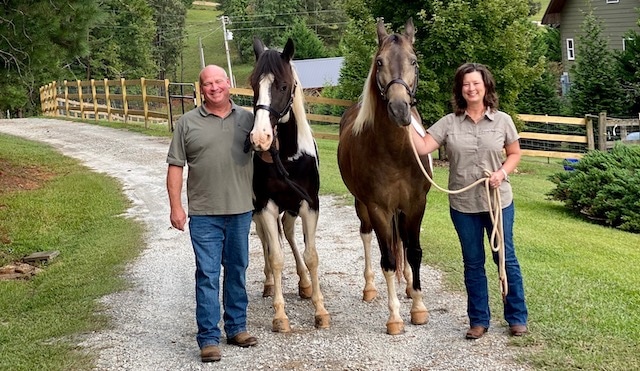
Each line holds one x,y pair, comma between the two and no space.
395,328
267,291
369,295
323,321
305,292
408,293
280,325
419,318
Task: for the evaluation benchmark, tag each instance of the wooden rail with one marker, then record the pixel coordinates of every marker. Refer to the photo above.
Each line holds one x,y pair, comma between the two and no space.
148,101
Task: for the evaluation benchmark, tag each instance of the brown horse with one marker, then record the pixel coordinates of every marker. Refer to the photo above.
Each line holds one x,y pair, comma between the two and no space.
286,179
379,168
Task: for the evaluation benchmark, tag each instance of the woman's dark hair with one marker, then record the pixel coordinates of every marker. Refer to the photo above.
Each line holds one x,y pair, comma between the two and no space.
490,97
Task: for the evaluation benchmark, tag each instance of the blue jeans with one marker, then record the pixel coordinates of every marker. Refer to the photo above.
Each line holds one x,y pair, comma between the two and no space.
220,241
471,228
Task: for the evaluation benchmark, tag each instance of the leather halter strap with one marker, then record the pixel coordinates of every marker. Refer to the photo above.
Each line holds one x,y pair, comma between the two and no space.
410,90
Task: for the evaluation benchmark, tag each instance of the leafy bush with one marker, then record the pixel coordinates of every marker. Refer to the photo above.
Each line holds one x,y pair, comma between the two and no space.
604,186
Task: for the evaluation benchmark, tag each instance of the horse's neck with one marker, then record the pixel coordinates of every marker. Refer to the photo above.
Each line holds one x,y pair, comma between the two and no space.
288,137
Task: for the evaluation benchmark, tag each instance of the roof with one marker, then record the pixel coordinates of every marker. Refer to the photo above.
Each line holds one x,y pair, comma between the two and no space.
552,14
319,72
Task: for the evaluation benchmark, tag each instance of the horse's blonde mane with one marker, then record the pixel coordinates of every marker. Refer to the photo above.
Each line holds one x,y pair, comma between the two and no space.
368,104
305,134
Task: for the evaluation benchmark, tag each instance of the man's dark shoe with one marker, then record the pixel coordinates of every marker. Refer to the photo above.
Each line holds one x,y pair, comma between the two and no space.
243,340
476,332
518,330
210,353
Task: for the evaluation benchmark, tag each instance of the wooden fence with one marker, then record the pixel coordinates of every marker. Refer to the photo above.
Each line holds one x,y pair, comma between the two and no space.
151,102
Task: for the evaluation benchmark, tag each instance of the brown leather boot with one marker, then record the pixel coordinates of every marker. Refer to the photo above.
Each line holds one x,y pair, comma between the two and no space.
210,353
476,332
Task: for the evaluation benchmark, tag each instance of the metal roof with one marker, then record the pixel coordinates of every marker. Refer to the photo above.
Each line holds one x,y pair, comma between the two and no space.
319,72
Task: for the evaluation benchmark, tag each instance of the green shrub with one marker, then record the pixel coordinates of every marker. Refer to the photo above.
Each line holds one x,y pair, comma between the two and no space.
604,186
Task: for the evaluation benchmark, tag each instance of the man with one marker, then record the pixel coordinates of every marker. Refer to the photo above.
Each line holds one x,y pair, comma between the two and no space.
210,140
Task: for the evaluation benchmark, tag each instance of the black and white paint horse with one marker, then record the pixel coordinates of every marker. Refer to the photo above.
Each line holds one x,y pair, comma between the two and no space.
286,180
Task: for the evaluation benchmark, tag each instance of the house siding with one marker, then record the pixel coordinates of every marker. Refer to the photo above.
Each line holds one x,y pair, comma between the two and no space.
617,19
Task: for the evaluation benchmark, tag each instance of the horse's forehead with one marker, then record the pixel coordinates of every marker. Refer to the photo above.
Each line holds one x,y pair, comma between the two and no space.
395,46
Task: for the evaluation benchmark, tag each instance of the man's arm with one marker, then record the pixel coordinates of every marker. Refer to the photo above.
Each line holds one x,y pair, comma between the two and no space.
174,188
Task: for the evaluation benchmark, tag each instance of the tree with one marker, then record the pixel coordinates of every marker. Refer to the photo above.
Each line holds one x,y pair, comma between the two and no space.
357,47
37,39
120,43
629,72
542,96
170,18
595,86
307,43
496,33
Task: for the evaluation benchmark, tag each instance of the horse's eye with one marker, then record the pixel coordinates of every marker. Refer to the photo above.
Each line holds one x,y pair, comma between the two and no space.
283,88
414,62
379,63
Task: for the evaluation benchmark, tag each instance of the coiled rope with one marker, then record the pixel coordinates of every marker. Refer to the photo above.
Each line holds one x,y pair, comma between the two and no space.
495,211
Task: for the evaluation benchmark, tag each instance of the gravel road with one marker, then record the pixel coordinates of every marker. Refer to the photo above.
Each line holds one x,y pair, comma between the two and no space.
153,325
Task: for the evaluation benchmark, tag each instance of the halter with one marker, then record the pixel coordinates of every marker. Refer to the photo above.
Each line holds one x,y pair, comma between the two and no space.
410,91
285,110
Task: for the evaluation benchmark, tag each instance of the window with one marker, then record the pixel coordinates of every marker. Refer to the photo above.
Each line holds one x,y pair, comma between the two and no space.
613,1
625,41
571,55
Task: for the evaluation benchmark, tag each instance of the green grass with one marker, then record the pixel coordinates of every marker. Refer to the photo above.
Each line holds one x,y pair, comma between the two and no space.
74,212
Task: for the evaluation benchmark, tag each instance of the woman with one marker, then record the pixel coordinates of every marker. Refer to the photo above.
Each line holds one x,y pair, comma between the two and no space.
476,135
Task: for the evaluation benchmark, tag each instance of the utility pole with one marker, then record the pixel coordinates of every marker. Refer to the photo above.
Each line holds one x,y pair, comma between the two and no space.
201,53
228,35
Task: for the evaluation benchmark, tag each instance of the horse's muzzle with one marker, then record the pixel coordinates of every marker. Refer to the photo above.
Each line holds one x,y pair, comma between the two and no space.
399,112
261,141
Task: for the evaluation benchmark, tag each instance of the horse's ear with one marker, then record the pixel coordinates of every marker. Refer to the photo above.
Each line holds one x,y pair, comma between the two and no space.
382,32
410,30
287,53
258,47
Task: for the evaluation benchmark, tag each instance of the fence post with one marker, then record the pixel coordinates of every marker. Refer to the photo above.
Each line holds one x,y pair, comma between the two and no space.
602,131
589,126
79,83
93,98
66,98
107,99
168,102
198,96
42,98
145,104
125,105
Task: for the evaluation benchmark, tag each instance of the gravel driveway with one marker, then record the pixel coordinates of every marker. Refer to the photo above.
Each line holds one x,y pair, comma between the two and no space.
153,324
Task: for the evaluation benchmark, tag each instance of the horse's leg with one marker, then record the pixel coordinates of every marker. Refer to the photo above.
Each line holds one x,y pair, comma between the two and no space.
304,284
406,268
309,226
407,273
267,289
390,257
370,292
419,313
269,219
395,325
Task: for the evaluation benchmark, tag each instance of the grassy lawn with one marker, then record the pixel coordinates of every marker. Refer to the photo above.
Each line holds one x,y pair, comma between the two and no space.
75,211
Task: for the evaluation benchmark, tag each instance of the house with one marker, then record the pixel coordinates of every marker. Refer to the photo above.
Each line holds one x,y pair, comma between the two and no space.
617,17
317,73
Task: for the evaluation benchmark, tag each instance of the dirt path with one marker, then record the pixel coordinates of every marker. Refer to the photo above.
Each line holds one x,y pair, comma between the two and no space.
153,325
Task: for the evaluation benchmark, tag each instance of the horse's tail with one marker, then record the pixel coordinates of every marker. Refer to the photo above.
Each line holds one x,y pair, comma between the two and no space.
396,246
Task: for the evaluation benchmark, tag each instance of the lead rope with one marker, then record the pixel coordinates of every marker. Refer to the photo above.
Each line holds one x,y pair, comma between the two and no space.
495,211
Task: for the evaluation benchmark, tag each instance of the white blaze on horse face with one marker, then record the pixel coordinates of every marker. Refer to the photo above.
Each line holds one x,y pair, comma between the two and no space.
262,133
